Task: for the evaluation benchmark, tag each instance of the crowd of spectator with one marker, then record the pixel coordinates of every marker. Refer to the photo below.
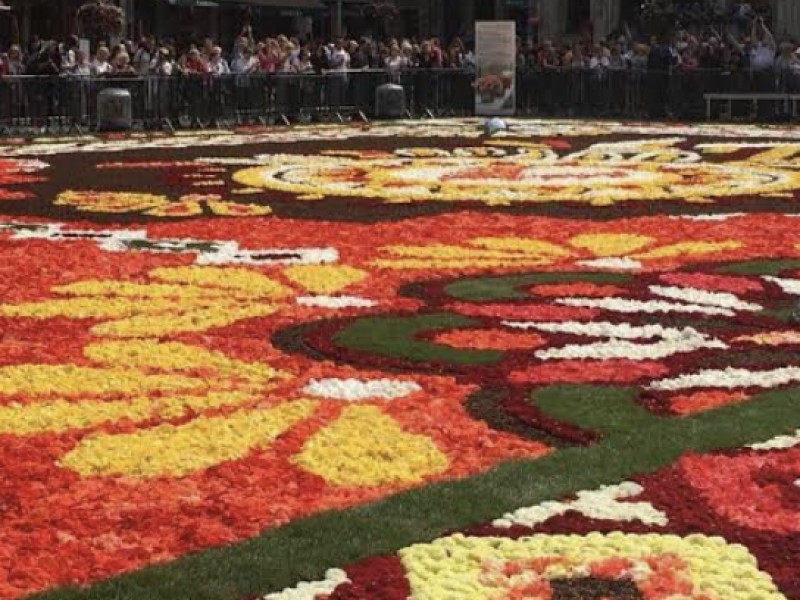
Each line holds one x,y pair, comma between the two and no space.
666,34
669,34
282,54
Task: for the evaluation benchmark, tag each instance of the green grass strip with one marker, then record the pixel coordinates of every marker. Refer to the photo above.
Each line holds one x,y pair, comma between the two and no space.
760,267
396,336
485,289
635,442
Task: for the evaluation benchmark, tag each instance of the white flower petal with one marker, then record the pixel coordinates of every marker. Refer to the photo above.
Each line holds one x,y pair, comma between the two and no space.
599,504
623,305
613,263
712,217
696,296
790,286
779,443
336,301
310,590
359,389
730,379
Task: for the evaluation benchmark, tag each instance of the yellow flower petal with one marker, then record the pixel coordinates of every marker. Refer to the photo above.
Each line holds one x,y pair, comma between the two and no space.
610,244
112,202
227,278
463,263
690,248
176,209
71,381
62,415
529,246
173,356
235,209
176,451
127,289
86,308
191,321
324,279
365,447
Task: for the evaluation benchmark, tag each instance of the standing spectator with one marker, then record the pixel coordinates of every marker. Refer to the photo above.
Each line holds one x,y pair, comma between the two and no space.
762,61
320,60
162,65
245,63
659,62
427,59
339,57
437,54
244,42
15,65
304,64
617,61
68,54
269,56
101,65
194,64
358,56
339,64
122,66
82,67
207,49
395,63
47,61
640,57
217,65
762,55
143,56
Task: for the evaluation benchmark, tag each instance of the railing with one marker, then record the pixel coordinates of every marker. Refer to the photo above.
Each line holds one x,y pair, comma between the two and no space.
57,103
640,94
64,103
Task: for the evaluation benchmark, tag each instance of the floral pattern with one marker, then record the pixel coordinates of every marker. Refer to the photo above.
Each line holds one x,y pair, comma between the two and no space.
291,323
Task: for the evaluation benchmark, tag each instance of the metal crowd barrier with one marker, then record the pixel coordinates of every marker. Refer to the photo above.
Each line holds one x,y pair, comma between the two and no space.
68,103
641,94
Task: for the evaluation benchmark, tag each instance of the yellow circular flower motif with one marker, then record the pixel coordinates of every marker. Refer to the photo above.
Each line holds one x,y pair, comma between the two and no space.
602,175
480,568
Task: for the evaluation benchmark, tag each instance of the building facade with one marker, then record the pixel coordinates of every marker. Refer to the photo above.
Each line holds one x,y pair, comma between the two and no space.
223,19
554,19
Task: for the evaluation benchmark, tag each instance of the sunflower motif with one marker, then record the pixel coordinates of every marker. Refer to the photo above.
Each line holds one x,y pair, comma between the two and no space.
180,397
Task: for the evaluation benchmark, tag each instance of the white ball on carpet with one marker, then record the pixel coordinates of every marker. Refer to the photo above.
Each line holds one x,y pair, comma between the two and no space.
494,125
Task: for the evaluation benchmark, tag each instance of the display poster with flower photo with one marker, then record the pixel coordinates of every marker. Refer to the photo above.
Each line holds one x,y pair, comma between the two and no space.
495,90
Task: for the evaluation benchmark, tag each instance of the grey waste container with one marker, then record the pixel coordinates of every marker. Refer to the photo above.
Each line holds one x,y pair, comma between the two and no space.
114,110
390,101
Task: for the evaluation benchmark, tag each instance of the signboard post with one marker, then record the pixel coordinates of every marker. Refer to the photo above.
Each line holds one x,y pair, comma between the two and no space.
496,62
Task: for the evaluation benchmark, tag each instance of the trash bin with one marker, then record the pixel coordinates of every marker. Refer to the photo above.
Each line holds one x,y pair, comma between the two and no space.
114,110
390,101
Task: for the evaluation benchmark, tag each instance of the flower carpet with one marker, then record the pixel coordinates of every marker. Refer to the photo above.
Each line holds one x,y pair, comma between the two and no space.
402,361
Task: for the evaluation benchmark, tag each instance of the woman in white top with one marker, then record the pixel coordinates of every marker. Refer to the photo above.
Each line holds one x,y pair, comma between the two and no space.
303,64
82,67
245,62
162,64
16,65
101,66
216,64
395,62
